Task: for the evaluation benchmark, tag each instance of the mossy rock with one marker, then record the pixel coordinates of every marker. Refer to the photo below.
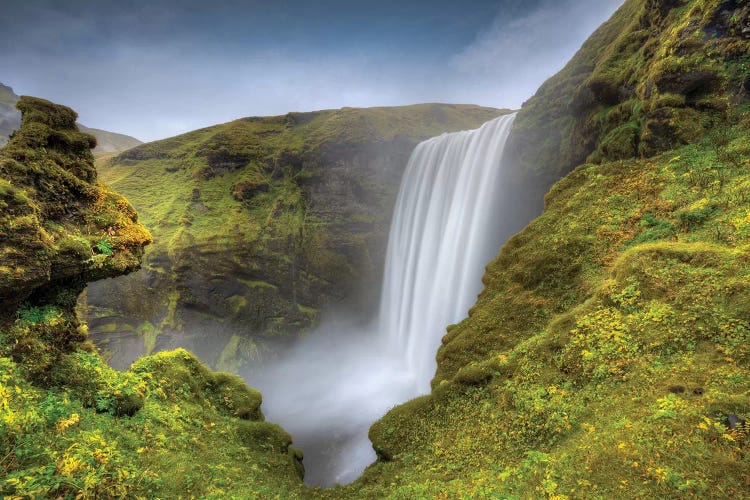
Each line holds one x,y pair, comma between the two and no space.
264,435
54,205
621,143
181,372
243,401
668,128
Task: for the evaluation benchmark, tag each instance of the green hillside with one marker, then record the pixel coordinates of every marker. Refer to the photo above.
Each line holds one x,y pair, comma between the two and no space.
110,142
260,225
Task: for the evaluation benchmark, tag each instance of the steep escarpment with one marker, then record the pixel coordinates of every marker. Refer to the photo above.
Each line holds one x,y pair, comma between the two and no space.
261,225
607,356
658,75
70,426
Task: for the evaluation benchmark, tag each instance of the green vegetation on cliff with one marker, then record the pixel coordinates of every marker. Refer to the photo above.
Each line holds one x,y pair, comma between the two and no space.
70,426
658,75
261,224
608,354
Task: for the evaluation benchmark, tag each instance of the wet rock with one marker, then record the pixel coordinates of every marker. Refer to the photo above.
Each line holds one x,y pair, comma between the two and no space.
689,83
244,191
735,422
224,161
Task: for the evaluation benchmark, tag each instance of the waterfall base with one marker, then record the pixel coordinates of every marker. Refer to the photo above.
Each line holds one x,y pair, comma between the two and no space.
335,383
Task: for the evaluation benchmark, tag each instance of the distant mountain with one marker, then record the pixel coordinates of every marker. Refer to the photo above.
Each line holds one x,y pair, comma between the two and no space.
110,142
10,120
10,117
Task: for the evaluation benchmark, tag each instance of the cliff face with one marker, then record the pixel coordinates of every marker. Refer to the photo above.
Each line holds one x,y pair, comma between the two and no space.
608,354
70,426
262,224
656,76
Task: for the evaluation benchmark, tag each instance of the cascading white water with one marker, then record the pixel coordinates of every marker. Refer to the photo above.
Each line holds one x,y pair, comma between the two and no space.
441,238
335,383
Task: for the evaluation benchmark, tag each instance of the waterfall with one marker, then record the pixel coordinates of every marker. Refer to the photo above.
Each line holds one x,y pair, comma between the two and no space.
441,238
331,386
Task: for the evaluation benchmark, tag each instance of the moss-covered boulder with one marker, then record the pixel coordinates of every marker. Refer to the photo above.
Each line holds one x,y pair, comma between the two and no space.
58,222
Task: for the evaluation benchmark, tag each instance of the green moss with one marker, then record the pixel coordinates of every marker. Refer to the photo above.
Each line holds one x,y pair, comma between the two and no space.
672,66
258,284
77,245
100,433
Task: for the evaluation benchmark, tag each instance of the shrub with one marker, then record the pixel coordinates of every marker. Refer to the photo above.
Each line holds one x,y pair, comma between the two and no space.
104,247
37,315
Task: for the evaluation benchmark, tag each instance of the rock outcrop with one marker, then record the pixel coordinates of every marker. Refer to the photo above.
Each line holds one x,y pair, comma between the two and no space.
10,120
659,74
59,226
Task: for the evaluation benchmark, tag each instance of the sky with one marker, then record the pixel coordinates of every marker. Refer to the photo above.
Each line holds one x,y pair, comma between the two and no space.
154,69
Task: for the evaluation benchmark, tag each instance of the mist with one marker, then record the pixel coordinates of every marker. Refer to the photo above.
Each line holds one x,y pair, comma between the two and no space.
327,390
157,71
332,385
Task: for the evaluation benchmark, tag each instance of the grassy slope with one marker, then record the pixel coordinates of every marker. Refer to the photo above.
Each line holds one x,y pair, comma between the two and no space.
313,234
610,345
